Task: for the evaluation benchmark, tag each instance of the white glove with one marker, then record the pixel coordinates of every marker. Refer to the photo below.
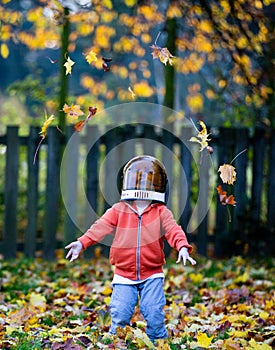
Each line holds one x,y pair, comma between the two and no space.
184,255
75,249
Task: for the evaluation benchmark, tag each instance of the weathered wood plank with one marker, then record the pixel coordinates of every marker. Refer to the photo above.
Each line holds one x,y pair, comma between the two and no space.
203,202
185,178
259,147
70,177
271,184
51,212
92,154
167,159
240,186
11,193
222,231
32,197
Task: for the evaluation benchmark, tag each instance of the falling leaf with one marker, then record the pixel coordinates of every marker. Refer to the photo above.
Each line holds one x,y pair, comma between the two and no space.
227,173
52,61
224,199
68,65
202,137
43,133
73,112
132,92
203,340
91,57
92,112
47,123
107,59
79,125
163,54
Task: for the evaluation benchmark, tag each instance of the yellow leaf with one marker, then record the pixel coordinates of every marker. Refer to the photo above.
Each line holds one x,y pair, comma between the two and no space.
264,315
4,51
203,340
91,57
227,173
196,278
143,339
68,65
107,300
106,291
47,122
201,137
73,112
38,301
11,329
258,346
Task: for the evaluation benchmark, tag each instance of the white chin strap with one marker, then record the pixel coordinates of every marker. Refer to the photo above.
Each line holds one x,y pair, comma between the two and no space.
142,194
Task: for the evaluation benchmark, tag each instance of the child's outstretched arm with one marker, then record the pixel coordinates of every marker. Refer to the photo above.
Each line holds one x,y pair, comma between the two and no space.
75,249
184,256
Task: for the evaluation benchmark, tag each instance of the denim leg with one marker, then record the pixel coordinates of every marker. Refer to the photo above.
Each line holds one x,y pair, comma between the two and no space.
123,301
152,301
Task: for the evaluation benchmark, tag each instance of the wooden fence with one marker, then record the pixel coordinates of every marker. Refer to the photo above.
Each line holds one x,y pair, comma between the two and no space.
36,220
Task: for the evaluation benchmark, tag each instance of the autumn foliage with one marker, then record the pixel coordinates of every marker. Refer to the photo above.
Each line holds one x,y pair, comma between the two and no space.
216,305
239,34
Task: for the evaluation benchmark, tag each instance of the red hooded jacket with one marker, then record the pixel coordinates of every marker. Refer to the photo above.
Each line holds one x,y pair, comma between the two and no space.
137,248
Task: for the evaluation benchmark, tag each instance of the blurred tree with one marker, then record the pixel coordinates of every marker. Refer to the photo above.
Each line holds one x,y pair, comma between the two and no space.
224,48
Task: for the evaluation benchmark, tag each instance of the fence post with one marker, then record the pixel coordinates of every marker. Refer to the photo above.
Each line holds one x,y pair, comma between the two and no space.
222,234
167,158
11,193
271,184
52,194
185,179
258,173
92,162
242,143
71,177
32,197
203,202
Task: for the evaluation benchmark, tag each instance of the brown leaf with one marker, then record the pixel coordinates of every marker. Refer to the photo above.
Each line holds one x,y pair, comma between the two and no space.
224,199
79,126
227,173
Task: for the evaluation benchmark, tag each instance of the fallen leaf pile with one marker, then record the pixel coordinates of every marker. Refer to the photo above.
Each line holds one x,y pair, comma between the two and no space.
215,305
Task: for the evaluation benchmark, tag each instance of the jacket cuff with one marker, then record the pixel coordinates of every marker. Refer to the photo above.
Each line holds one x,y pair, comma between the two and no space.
188,246
85,241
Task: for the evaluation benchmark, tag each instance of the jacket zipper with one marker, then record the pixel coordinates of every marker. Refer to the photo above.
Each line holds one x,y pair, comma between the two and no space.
138,246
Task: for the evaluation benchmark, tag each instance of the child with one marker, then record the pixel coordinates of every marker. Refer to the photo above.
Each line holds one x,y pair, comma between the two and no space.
140,223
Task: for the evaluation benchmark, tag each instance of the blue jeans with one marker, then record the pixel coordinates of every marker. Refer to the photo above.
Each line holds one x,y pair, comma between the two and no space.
152,300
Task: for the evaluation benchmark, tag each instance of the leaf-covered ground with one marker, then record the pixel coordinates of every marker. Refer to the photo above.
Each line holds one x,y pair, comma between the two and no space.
226,304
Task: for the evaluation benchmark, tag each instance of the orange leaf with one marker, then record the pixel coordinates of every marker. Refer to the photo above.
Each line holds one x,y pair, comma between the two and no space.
224,199
79,126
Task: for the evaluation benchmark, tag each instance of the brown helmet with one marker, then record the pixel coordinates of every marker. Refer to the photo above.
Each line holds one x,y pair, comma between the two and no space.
144,177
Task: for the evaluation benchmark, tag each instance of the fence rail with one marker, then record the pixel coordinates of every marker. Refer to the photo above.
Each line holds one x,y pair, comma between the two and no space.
49,203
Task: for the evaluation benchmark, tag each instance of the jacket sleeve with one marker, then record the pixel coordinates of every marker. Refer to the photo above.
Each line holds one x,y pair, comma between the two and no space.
105,225
173,232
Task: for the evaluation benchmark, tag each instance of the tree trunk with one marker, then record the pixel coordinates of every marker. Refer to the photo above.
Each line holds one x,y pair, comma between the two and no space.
171,27
63,77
